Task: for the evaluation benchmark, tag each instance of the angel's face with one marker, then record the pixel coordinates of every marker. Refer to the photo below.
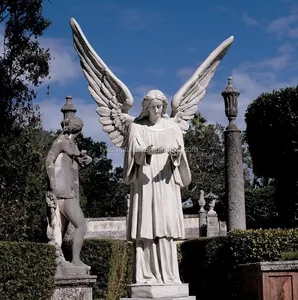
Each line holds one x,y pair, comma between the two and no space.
155,108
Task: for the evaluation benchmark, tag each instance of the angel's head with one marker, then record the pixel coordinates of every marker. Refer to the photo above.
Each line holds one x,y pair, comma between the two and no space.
154,103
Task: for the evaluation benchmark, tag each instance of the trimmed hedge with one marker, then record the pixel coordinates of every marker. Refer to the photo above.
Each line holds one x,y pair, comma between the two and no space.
27,271
111,261
209,265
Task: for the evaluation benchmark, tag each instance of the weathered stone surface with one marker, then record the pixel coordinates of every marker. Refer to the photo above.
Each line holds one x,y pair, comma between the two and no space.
271,266
115,228
158,290
73,288
234,178
70,270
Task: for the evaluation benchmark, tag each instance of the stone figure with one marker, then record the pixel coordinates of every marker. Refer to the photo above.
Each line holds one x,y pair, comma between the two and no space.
62,166
155,162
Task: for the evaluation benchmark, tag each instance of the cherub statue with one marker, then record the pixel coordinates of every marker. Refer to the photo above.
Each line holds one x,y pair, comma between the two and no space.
62,166
155,162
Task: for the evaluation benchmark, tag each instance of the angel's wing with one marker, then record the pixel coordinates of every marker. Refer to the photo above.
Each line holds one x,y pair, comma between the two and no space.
184,103
111,95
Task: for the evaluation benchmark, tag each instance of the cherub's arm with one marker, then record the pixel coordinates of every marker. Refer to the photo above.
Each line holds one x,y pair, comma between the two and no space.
55,150
83,160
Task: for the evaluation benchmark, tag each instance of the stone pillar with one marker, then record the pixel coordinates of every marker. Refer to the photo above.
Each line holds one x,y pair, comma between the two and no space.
202,215
233,161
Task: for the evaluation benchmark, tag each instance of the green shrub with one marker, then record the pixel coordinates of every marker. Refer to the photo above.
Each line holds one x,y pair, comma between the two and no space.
209,265
111,261
27,271
260,208
289,255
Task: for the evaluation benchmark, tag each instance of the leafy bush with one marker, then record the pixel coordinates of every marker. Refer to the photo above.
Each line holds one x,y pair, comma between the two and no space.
261,211
22,186
27,271
111,261
210,264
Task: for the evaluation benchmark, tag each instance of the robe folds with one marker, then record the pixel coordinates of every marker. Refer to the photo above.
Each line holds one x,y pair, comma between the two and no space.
155,180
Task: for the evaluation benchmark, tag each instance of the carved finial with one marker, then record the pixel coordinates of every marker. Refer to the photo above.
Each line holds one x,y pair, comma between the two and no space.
68,108
230,95
230,81
201,201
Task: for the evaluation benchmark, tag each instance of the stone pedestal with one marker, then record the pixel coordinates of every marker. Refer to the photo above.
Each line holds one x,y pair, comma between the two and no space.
276,280
212,225
73,283
159,291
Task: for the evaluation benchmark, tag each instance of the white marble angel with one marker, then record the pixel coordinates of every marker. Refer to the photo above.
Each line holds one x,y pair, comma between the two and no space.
155,162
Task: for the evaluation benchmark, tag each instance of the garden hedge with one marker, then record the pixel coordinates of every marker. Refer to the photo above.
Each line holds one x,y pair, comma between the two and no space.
111,261
209,265
27,271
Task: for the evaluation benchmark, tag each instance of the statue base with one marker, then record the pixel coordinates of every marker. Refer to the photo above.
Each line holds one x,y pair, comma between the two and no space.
67,269
73,282
159,291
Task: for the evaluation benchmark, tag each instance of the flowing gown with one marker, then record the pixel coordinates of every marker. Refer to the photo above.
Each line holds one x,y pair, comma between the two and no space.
155,217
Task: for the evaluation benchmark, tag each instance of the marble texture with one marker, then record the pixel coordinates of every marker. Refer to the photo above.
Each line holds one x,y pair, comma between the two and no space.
155,163
158,291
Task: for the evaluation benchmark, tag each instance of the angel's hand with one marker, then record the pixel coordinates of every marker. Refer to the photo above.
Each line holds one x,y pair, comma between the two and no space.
150,150
175,151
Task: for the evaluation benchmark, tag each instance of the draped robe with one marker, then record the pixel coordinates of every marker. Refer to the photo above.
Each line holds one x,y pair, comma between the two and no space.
155,218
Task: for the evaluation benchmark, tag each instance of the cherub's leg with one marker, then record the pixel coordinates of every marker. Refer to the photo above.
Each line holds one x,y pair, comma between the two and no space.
64,225
73,212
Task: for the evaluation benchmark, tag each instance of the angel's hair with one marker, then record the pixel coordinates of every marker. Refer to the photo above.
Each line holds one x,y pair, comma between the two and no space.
73,125
154,95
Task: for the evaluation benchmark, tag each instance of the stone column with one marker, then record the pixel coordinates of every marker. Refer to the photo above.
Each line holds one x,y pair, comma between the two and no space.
202,215
233,161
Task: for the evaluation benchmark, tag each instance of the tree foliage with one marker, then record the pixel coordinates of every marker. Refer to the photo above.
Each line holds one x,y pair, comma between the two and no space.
102,189
260,208
272,133
205,154
272,137
23,65
23,184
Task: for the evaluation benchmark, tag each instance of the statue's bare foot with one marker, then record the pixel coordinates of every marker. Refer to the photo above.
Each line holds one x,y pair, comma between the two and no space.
79,263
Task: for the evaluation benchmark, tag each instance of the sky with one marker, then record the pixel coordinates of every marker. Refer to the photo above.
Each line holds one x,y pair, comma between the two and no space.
159,44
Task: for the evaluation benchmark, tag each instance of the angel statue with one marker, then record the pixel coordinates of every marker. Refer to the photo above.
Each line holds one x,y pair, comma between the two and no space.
155,162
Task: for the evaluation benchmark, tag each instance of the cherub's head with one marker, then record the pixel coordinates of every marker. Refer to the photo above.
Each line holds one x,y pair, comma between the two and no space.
155,103
73,126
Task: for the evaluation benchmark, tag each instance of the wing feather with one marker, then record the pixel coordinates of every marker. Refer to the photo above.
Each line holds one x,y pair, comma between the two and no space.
184,103
111,95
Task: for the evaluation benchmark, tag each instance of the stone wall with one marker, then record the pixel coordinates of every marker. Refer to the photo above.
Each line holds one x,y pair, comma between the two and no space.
115,228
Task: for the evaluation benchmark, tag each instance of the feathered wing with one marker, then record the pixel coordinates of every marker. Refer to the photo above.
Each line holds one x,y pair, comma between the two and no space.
111,95
184,103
